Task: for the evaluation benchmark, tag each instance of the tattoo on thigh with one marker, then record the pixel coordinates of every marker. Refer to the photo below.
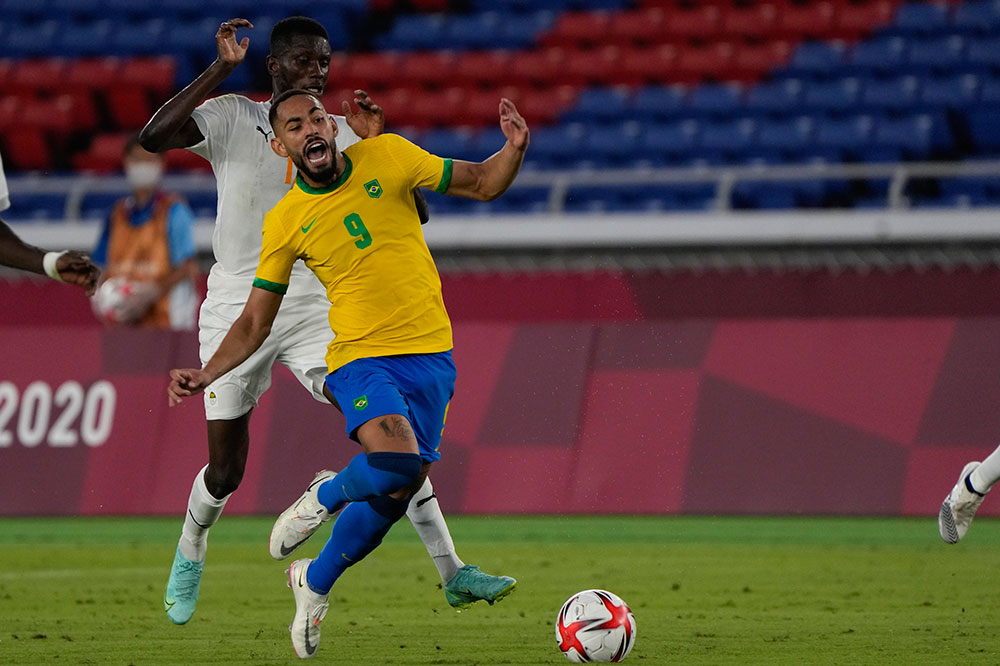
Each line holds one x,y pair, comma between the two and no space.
399,428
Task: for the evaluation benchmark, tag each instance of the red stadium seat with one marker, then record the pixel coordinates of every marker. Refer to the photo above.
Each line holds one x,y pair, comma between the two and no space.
93,73
639,27
481,107
482,68
812,20
544,107
753,61
37,74
154,74
27,149
574,29
590,67
647,65
755,21
425,68
699,22
711,61
104,154
540,67
367,71
130,108
854,20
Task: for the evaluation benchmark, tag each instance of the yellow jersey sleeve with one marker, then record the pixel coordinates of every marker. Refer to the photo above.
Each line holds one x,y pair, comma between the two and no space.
277,256
424,169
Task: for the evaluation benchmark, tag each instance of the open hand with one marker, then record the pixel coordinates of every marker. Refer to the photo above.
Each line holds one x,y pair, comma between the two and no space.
369,121
230,51
513,125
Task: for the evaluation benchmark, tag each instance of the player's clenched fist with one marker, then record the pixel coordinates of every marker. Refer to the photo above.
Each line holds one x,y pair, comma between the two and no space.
185,383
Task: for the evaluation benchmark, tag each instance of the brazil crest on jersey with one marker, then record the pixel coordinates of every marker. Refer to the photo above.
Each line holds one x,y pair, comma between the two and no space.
362,238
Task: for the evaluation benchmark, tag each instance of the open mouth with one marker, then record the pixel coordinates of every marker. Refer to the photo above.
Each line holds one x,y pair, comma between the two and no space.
317,152
314,88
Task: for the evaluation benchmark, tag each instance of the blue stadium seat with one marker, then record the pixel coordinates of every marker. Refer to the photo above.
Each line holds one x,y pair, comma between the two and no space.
989,93
413,32
560,145
715,99
780,96
26,207
950,92
449,143
845,133
913,135
657,103
520,31
984,130
600,104
473,31
663,143
817,58
921,18
35,40
90,38
942,53
836,95
896,93
983,51
611,145
143,38
791,135
977,16
728,137
879,55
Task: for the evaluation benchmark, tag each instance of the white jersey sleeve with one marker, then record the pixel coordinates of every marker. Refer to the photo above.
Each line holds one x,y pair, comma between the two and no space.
4,194
250,179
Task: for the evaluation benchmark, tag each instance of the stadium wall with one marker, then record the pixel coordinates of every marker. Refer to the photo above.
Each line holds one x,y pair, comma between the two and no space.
602,392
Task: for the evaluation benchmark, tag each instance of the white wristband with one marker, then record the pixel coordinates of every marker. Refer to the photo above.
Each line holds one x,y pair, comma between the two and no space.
49,264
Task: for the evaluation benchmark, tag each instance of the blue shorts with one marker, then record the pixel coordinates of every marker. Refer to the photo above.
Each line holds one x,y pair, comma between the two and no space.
418,386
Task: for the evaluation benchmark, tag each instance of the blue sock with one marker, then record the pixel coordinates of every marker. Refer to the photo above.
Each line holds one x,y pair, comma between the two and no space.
368,476
359,529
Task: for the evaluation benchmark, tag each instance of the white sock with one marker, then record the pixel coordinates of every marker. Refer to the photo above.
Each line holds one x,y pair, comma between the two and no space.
428,521
988,472
202,511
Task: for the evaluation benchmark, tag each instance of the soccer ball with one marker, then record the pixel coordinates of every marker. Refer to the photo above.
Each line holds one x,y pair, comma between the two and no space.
595,625
122,301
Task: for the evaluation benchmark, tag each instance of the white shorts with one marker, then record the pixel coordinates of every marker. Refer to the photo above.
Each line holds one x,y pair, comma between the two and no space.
298,340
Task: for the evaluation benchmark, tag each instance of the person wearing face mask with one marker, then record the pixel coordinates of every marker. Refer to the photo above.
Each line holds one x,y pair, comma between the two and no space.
148,243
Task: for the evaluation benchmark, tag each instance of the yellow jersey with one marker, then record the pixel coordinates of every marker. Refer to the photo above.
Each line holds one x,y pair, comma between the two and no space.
362,238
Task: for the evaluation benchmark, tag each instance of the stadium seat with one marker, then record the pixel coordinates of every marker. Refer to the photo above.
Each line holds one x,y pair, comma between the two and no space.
590,67
473,31
540,67
941,53
520,31
558,145
155,74
817,59
658,103
92,38
838,95
752,61
921,18
668,142
983,51
639,27
367,71
854,20
989,92
776,97
810,20
646,65
984,130
611,145
36,74
958,91
30,206
92,74
849,133
753,21
791,136
104,154
728,137
897,93
481,68
27,149
601,104
33,40
577,29
879,55
977,17
698,22
423,69
711,61
912,135
140,38
715,99
413,32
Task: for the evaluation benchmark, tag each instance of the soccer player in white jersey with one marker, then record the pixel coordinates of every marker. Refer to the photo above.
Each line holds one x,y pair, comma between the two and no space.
68,266
959,507
234,134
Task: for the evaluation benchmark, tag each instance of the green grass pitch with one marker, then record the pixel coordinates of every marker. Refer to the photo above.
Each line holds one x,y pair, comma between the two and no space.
704,591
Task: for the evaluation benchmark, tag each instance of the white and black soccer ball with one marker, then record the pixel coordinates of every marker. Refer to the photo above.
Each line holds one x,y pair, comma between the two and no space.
119,300
595,625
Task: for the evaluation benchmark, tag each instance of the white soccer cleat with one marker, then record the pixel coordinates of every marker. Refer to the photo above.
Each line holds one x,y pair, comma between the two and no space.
959,508
299,521
310,609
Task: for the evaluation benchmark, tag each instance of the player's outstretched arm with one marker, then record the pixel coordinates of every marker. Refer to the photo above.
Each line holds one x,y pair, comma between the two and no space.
490,178
172,126
71,267
245,336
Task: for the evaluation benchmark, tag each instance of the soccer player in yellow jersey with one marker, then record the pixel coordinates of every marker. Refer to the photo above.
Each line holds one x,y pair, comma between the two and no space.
351,218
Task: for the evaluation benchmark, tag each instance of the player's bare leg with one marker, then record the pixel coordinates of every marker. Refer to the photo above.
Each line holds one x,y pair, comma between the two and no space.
228,444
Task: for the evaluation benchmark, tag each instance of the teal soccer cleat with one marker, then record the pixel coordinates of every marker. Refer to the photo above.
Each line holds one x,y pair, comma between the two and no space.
470,585
181,594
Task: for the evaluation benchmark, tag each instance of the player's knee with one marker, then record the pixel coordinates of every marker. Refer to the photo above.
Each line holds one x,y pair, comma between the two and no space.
392,471
389,507
221,480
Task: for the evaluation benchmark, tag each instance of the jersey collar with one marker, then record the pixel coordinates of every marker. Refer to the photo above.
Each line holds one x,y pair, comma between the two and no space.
309,189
